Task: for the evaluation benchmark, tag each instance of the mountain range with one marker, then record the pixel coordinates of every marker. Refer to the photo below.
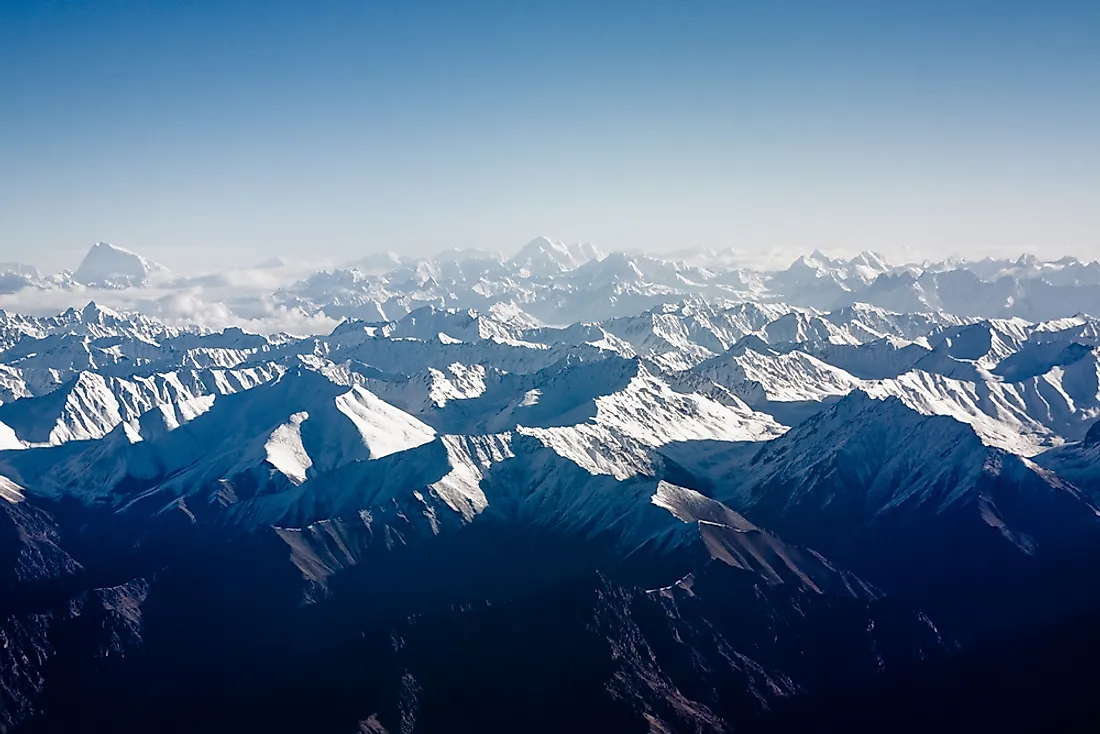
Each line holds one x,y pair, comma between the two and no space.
569,490
554,282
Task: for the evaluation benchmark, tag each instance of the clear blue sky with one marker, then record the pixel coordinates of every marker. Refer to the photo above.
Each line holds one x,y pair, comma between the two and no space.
195,130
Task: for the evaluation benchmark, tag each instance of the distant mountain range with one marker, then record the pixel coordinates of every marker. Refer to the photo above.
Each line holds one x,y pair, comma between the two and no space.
569,491
560,284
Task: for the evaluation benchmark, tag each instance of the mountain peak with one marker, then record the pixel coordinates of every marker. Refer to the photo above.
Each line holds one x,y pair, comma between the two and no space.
543,256
870,259
109,266
94,312
542,241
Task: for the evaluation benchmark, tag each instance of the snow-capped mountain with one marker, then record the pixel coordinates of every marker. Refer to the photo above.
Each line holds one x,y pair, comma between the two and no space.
562,283
109,266
543,255
722,492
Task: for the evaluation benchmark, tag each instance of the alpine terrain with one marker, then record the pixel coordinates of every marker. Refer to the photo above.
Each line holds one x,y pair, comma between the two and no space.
566,490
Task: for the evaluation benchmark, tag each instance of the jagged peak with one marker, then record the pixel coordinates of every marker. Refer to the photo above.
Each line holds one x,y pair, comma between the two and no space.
93,312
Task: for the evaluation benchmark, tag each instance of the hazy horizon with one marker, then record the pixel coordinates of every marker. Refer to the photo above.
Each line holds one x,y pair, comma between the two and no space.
180,262
213,132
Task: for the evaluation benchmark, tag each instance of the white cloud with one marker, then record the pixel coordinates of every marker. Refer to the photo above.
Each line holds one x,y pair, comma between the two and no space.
240,298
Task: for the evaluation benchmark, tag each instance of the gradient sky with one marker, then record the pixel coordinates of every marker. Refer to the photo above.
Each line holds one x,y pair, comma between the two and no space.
207,131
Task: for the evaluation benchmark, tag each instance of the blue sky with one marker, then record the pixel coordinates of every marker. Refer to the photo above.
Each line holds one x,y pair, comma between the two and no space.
201,132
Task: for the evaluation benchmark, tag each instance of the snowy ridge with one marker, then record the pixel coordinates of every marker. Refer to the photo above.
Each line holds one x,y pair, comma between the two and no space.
788,377
470,457
864,460
92,405
437,397
1024,386
297,425
542,254
644,414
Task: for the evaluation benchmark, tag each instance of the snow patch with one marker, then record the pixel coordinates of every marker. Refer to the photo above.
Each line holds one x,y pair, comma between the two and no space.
383,428
285,450
470,457
10,491
8,440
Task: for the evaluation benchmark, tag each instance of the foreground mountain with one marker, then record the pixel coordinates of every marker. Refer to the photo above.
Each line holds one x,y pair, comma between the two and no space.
616,573
870,482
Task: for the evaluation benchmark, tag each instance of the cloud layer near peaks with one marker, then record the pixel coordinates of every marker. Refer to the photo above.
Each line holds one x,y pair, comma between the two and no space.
233,298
